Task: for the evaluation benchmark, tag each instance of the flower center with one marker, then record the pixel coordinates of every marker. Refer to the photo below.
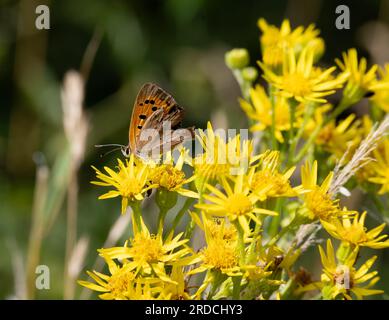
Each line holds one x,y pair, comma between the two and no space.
238,204
120,282
321,205
168,177
296,84
222,231
130,187
146,249
355,234
221,254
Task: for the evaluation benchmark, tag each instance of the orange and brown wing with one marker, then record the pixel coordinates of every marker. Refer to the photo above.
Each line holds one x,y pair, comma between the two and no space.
150,99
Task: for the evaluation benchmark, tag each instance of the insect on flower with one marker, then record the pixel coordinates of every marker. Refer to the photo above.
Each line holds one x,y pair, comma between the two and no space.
155,124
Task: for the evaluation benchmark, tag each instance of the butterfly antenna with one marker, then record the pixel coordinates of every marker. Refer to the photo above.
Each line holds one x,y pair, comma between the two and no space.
118,147
108,145
110,151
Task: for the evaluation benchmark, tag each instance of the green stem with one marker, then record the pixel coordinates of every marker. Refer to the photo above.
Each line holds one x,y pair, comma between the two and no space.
161,219
275,222
307,115
244,85
217,279
180,214
274,143
343,105
136,216
236,281
165,200
241,247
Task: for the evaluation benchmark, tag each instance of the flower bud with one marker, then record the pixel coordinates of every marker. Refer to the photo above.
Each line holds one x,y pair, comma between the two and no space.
237,58
249,74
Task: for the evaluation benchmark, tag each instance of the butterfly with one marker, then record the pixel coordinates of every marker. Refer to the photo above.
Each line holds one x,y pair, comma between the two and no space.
155,125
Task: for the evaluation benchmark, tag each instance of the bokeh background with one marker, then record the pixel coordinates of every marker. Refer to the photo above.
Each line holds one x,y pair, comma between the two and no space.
119,45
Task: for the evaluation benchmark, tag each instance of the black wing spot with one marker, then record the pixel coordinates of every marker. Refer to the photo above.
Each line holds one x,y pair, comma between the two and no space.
152,101
173,109
168,104
141,104
147,101
142,116
154,108
139,127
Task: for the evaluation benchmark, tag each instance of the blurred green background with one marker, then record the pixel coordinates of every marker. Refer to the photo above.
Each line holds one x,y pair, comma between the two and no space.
180,45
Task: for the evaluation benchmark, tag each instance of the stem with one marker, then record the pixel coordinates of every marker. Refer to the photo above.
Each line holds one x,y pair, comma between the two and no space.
217,279
165,200
307,115
71,234
343,105
293,104
275,222
136,216
37,228
161,218
189,229
307,145
236,287
241,247
180,214
274,143
244,85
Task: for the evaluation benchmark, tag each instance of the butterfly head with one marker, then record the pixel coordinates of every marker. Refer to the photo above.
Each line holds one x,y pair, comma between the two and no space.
126,151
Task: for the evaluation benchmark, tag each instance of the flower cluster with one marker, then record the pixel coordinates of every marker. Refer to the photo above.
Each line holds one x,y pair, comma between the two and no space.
250,208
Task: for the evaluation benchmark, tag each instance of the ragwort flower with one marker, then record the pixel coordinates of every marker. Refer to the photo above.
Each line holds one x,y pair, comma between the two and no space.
130,182
300,81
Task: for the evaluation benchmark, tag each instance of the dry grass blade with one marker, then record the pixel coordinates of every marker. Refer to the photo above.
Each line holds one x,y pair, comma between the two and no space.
360,158
76,129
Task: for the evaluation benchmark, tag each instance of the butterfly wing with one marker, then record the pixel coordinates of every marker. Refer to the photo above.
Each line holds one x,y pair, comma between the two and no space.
160,134
150,99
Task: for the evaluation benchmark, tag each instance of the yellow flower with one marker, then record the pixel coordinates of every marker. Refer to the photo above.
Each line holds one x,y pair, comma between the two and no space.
130,182
177,290
261,112
122,284
237,203
172,177
359,75
149,254
318,203
344,280
221,252
220,158
270,179
299,79
380,167
339,138
381,89
360,78
276,41
354,232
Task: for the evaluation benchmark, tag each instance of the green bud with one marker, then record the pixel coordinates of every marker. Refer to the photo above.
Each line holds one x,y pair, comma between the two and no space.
237,58
249,74
165,199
